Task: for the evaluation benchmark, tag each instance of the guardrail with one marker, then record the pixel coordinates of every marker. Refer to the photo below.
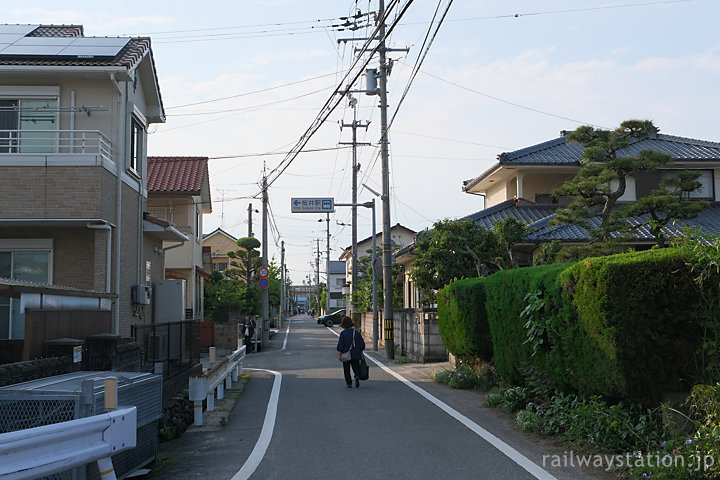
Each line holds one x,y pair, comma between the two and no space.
219,377
41,451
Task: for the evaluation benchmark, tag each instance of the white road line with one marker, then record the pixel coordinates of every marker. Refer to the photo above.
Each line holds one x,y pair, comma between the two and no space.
266,434
517,457
287,334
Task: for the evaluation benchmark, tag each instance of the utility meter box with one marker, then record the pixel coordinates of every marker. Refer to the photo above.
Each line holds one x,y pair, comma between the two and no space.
141,294
169,301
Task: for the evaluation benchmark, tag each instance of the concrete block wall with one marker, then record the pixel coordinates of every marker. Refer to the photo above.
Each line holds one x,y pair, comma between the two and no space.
416,334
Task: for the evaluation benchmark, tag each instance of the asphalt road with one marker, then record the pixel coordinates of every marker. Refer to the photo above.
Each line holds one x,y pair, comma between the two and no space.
296,419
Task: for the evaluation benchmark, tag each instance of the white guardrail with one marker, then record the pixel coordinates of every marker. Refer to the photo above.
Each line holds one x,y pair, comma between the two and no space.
218,377
41,451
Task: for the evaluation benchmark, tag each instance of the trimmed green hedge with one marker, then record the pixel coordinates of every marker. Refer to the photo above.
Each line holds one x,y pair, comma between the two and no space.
506,291
638,329
462,321
623,326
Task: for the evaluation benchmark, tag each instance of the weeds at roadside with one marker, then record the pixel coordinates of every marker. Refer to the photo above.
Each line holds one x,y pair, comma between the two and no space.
467,378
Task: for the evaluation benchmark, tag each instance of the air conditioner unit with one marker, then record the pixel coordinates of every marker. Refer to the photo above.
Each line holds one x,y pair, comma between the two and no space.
141,294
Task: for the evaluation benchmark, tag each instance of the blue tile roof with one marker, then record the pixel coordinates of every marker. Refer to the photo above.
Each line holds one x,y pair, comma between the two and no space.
708,221
558,152
522,210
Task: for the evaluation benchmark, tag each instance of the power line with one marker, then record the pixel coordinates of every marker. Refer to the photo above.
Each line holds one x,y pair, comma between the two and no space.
335,99
515,104
253,92
246,155
252,107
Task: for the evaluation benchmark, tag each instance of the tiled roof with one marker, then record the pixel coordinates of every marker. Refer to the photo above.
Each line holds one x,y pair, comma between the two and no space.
708,221
177,174
526,212
128,57
58,31
558,152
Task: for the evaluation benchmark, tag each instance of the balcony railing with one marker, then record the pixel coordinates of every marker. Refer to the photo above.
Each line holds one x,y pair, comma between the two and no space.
58,142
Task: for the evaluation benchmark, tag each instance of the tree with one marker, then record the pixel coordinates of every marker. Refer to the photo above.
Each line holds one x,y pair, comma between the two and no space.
602,178
244,261
362,292
509,231
669,202
456,249
223,292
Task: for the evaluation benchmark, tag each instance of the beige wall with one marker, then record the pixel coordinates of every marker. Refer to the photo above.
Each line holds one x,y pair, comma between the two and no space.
495,194
219,246
541,183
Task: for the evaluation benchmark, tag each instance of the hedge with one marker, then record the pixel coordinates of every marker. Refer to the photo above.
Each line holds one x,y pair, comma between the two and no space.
623,326
638,330
462,320
506,292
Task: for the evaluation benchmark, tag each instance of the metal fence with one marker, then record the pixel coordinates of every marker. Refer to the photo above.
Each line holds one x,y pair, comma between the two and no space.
170,348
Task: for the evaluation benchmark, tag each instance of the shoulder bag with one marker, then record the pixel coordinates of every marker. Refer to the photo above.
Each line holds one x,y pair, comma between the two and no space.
346,356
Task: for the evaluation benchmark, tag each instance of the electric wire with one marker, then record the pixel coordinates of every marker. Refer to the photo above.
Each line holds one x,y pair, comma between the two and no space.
334,99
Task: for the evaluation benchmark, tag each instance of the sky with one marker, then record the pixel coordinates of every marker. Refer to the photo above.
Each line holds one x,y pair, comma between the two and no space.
243,80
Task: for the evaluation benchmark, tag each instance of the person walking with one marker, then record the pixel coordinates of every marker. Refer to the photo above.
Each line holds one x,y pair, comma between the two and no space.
350,341
249,332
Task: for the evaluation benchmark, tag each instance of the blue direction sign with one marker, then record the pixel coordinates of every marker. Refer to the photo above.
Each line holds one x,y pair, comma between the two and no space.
312,205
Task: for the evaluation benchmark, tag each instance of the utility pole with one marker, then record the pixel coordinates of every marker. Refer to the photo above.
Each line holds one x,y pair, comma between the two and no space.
265,293
282,283
250,210
327,267
354,125
317,276
387,248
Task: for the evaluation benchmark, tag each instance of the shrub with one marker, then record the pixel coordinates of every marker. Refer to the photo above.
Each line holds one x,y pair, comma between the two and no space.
517,340
465,377
636,332
462,320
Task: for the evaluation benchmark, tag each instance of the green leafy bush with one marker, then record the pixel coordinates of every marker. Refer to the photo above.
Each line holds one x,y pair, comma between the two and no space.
465,377
462,320
507,298
636,331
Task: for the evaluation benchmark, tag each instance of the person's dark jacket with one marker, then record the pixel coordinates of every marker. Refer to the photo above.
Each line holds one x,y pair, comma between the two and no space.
345,343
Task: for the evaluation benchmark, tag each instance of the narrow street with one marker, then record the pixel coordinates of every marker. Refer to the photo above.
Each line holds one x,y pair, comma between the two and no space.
399,424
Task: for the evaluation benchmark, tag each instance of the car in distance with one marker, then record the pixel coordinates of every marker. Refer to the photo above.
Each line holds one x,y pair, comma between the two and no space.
332,318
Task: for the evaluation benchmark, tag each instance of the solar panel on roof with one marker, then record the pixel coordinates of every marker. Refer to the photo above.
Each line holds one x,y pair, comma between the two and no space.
17,45
21,30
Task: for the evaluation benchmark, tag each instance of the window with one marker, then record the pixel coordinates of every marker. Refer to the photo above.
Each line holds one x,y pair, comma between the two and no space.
28,125
136,144
706,181
645,183
31,266
220,267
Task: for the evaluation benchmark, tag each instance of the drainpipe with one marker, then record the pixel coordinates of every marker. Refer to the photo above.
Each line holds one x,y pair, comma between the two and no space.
72,124
108,250
119,164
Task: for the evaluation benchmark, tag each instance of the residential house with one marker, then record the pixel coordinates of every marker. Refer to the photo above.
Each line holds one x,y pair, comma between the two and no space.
220,243
179,193
400,236
74,115
521,183
335,283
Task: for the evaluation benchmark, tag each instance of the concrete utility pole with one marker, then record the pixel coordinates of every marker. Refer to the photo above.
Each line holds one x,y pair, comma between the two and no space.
327,267
354,125
265,293
250,210
282,284
387,246
317,276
